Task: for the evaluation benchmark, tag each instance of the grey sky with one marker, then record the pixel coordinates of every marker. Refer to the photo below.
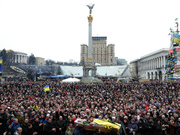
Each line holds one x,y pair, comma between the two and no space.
54,29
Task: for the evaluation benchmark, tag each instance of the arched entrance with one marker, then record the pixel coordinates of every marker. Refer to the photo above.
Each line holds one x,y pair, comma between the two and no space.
160,75
155,75
152,75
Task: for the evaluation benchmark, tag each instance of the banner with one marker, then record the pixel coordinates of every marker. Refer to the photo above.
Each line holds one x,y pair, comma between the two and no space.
177,63
176,40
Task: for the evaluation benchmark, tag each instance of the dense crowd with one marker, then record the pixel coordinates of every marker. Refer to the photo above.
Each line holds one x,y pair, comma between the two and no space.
146,108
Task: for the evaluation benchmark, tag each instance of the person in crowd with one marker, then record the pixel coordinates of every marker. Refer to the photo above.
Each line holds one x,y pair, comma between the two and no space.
122,130
132,127
70,130
61,126
145,102
173,126
49,128
141,127
158,127
38,126
18,131
14,126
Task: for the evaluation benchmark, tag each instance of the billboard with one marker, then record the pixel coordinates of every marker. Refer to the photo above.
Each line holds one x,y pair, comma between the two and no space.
177,58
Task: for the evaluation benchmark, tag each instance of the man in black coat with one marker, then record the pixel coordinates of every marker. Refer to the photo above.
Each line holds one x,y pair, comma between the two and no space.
30,130
25,127
122,129
49,128
3,119
61,126
149,127
37,126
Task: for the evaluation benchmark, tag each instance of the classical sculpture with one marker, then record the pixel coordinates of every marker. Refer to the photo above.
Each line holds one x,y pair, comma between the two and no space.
90,6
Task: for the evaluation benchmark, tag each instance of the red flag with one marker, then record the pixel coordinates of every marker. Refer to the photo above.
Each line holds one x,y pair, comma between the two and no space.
146,107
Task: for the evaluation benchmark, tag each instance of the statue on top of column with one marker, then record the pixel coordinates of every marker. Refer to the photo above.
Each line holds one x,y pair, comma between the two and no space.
90,6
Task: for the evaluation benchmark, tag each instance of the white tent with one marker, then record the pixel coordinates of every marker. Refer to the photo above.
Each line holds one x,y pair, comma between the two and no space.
70,80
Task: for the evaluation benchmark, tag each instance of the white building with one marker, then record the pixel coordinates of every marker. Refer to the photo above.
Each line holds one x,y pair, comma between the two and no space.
152,66
20,57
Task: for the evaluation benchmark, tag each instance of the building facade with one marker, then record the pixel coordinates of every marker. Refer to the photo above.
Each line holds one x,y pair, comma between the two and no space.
152,66
135,69
101,52
18,57
84,54
119,61
40,61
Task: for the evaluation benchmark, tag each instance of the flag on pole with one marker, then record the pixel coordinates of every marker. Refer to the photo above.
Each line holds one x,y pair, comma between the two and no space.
46,88
1,60
118,79
92,78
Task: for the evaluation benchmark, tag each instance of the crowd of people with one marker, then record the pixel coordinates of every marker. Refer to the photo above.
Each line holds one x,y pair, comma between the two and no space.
144,108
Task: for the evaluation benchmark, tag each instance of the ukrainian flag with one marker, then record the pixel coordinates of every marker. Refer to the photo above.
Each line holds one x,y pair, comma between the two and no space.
1,60
46,88
92,78
118,79
176,19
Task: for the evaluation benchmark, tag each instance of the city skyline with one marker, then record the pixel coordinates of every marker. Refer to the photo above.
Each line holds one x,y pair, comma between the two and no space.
55,30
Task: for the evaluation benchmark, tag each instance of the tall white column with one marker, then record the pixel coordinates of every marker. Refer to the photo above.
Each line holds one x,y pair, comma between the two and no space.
18,58
156,63
151,63
90,18
14,58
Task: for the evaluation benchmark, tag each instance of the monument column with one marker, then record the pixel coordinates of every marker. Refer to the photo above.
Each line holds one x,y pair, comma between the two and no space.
90,19
90,64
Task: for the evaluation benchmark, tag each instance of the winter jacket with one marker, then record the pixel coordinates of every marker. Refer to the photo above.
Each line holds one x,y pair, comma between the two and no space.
14,126
48,129
69,131
134,126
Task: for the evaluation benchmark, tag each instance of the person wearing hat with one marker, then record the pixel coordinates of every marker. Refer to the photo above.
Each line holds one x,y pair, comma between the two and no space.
132,127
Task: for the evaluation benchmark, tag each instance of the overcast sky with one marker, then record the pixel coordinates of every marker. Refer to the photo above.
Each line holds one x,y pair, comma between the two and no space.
55,29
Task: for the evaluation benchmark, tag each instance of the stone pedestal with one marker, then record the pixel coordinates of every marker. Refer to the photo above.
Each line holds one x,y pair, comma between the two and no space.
89,65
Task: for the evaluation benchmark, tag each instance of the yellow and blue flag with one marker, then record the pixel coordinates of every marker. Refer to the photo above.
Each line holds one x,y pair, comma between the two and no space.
118,71
46,88
118,79
1,60
176,19
92,78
